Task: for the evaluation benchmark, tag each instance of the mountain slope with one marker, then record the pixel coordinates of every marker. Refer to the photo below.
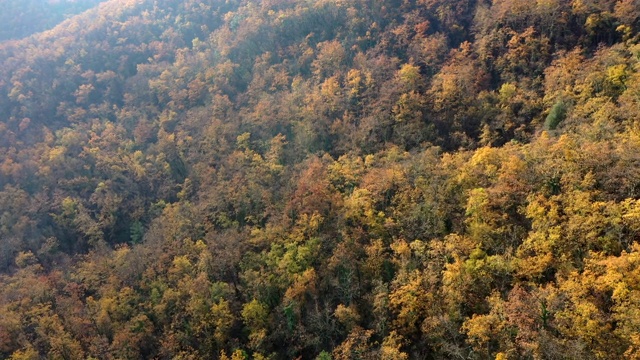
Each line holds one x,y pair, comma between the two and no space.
286,179
19,19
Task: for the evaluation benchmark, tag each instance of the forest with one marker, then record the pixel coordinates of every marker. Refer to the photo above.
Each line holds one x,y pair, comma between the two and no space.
320,179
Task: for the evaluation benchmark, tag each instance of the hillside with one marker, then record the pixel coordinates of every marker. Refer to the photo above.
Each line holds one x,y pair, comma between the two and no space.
22,18
236,179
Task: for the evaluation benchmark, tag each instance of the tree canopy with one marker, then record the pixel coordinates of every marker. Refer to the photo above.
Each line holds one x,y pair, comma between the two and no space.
278,179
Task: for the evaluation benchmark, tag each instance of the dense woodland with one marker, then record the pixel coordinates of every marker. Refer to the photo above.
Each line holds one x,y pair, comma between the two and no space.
320,179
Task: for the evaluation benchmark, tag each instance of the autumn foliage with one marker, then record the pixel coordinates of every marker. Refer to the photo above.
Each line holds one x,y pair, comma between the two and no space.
278,179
